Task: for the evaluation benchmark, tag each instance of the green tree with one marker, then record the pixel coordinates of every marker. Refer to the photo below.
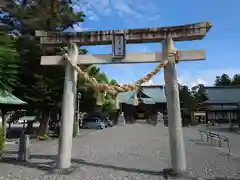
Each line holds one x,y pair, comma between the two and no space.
199,94
30,15
9,66
40,87
113,82
223,80
236,80
9,63
92,97
186,98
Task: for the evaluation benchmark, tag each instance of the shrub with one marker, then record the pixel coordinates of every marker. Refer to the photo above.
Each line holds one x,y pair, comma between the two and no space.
43,138
2,140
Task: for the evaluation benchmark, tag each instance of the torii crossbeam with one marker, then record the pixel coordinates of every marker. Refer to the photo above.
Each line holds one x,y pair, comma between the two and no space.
164,35
130,58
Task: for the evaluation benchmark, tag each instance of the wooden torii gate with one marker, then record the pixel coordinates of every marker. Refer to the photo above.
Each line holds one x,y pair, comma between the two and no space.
164,35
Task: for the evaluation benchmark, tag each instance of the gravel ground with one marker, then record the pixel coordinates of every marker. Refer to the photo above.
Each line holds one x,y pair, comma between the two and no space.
129,152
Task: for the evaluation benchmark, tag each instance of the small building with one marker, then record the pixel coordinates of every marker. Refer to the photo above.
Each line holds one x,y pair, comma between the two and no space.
223,104
8,102
151,100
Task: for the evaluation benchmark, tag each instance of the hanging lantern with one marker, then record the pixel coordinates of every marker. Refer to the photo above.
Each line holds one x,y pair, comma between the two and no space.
135,100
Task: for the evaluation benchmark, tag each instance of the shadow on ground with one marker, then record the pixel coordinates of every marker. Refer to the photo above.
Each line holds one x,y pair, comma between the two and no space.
50,165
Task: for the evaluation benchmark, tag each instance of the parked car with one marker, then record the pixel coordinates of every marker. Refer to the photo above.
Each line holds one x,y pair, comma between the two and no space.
93,123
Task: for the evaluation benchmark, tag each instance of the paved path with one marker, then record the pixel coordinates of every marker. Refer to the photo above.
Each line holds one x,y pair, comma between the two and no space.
137,151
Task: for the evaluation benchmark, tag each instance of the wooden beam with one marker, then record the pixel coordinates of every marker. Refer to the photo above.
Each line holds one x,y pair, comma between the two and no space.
130,58
146,35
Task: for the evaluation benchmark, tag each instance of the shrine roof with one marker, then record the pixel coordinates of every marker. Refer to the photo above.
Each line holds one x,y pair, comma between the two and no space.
147,94
8,98
223,95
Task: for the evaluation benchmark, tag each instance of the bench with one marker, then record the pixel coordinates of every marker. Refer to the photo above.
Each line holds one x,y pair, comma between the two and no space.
212,136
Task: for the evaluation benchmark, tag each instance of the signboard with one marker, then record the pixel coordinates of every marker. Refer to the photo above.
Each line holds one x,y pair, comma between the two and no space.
119,45
145,35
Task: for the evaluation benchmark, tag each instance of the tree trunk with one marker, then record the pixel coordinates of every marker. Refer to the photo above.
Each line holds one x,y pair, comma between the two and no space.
44,120
4,123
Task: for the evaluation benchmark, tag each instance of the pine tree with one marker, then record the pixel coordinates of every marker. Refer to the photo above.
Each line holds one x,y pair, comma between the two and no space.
223,80
9,63
30,15
40,86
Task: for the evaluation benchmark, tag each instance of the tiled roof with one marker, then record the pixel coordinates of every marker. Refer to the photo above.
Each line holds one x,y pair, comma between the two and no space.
8,98
155,93
147,100
223,94
125,96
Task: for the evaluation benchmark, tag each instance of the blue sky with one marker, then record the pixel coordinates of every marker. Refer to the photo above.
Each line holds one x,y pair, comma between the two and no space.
221,43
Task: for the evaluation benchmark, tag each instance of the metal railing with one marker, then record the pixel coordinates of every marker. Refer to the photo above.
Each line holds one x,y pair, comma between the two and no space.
215,138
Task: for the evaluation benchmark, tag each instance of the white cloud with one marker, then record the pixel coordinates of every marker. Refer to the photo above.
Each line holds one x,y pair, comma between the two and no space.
126,9
87,9
154,18
99,6
148,83
192,83
205,77
199,81
92,15
78,28
189,78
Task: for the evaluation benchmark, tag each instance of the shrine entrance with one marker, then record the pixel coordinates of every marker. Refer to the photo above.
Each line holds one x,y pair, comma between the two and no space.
142,111
167,58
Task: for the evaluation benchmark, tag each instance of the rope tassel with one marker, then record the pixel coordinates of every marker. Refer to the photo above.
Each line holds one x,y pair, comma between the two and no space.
135,100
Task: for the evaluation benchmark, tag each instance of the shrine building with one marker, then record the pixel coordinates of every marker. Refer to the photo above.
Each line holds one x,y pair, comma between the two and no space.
151,99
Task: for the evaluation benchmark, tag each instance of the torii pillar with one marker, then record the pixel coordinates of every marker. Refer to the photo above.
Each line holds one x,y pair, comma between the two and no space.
177,149
68,110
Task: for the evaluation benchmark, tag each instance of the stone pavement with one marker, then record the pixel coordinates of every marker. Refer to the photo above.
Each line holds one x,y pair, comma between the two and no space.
137,151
